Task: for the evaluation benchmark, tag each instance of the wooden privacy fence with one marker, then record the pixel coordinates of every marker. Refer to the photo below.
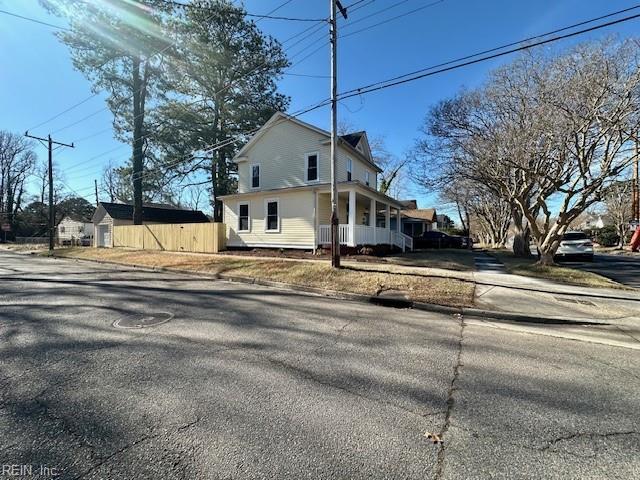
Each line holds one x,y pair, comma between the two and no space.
175,237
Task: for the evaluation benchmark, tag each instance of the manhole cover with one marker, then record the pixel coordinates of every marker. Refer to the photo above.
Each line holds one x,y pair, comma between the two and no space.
145,320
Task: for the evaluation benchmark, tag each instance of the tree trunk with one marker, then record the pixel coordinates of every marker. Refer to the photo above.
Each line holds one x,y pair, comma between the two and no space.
137,143
521,236
546,259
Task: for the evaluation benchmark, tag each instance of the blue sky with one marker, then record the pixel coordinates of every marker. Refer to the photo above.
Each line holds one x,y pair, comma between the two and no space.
38,81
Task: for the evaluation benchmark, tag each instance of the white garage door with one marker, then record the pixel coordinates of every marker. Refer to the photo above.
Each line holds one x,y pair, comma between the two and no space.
104,236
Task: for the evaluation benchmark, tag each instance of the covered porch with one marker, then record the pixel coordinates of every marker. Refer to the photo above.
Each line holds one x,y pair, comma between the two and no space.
366,218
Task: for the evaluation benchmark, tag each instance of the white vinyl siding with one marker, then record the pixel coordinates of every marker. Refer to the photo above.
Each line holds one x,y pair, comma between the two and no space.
281,152
295,212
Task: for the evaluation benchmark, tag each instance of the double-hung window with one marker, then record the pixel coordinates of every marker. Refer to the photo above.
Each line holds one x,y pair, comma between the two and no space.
312,167
255,176
367,178
349,169
272,215
243,217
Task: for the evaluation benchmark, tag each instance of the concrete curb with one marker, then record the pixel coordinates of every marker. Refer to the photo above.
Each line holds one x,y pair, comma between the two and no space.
355,297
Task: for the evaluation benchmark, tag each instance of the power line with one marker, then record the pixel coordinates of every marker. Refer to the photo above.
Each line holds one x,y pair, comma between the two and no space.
35,21
64,111
393,18
416,76
247,14
501,47
246,74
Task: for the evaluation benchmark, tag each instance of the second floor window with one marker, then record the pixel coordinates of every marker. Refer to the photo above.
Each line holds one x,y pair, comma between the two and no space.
255,176
312,167
366,178
349,169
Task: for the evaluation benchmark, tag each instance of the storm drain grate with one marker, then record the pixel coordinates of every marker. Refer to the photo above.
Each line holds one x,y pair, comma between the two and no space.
573,300
146,320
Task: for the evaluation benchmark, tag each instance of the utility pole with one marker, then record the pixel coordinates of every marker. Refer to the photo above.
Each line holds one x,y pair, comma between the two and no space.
335,237
95,184
52,211
636,185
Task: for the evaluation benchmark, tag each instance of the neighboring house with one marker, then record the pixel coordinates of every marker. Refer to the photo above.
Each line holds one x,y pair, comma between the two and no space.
108,215
71,229
589,222
444,222
416,221
284,198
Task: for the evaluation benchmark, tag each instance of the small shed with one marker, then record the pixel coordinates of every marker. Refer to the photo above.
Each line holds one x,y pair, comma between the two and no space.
108,215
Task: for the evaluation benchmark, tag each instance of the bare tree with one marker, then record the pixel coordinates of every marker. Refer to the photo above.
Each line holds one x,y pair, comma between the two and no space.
17,160
617,200
547,134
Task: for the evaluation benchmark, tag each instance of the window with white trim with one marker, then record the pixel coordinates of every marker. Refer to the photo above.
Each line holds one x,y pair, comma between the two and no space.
349,169
272,215
255,176
311,167
367,177
243,217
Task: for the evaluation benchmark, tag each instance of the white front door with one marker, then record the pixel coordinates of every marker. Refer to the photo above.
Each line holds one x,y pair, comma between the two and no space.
104,236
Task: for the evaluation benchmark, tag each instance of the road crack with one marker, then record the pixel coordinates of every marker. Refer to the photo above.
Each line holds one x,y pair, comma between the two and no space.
138,441
450,399
573,436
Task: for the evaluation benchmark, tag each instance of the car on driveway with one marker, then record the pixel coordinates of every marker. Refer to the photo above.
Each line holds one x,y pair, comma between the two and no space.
575,245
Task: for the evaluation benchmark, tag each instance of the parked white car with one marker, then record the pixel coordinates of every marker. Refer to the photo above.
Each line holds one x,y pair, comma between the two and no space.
575,245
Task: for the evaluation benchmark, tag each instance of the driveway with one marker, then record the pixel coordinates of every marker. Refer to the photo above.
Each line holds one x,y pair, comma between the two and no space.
621,268
246,382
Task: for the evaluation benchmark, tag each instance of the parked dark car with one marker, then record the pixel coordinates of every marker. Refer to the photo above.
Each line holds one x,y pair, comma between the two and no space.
435,239
458,241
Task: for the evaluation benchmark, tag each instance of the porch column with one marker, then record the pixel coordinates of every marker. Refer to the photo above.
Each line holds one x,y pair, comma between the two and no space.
352,218
372,217
387,222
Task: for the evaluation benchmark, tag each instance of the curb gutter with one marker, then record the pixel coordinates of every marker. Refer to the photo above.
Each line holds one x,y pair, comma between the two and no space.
356,297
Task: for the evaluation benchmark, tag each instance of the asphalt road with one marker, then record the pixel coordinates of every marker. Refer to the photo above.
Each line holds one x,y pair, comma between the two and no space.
245,382
623,269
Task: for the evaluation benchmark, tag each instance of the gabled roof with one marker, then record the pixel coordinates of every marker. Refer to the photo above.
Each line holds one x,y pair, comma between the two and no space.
124,211
281,116
409,204
352,138
75,218
428,214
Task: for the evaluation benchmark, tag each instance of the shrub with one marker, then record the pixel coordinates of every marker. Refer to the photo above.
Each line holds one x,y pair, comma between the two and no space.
607,236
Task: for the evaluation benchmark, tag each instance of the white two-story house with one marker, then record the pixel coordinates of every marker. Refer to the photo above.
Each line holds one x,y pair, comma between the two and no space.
284,198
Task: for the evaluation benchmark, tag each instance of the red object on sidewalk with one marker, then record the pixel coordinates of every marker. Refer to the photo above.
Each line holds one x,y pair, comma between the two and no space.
635,240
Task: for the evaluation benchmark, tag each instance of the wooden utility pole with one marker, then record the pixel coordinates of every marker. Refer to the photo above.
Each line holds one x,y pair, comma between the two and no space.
95,184
335,220
52,209
635,202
